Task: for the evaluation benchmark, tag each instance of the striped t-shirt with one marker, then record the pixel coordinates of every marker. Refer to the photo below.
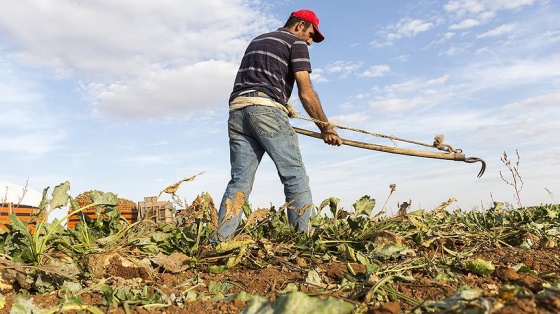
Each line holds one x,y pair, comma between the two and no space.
269,64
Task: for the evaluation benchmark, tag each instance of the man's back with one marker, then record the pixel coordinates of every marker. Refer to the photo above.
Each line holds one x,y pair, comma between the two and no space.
269,63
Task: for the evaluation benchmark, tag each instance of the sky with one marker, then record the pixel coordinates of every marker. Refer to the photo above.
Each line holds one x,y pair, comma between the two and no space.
131,96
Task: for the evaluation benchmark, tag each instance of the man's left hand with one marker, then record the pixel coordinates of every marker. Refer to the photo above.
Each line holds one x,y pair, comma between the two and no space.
331,137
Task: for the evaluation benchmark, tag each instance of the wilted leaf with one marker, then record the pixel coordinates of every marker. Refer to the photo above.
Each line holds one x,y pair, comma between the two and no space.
174,263
349,252
257,216
232,245
232,261
456,300
392,250
313,278
234,208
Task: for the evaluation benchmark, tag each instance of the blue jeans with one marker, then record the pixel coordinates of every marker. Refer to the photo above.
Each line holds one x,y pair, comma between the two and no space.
253,131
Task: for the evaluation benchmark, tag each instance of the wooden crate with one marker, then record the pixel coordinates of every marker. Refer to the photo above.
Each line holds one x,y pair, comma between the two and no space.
23,212
158,211
127,208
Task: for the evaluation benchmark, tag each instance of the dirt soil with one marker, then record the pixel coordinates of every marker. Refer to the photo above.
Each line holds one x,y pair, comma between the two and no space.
270,281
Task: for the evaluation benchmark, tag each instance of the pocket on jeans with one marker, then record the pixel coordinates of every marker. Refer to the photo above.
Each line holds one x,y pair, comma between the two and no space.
267,122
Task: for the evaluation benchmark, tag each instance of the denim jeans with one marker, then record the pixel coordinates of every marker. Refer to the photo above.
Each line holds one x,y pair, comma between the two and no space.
254,130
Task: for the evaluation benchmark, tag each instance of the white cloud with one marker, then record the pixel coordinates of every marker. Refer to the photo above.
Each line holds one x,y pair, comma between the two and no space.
514,72
166,93
125,48
350,119
471,13
408,27
462,7
486,16
498,31
398,104
465,24
470,7
416,85
508,4
318,77
376,71
550,36
457,49
30,126
32,145
551,99
344,68
402,58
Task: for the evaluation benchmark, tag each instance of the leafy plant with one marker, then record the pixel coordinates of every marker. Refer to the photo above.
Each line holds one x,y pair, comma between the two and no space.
39,241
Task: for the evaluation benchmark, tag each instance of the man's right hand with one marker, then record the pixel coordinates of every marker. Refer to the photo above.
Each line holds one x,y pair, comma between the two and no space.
331,137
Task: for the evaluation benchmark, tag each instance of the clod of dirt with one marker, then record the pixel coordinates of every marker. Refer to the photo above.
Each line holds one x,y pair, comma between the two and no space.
506,273
7,277
12,275
113,264
175,263
385,308
530,281
524,306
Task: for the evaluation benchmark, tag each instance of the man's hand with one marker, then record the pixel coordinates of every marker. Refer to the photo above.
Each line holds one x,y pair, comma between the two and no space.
331,137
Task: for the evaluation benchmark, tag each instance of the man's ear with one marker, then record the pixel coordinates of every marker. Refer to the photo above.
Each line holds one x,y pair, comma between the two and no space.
300,26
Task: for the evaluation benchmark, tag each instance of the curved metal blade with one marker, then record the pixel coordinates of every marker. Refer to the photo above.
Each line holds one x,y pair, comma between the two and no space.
476,159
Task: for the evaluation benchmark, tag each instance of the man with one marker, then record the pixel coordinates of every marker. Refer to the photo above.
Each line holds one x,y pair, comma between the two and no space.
258,119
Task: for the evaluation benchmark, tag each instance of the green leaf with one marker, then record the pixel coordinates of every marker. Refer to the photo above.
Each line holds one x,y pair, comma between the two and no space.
332,202
161,236
364,206
25,306
217,269
480,266
392,250
417,223
60,195
522,268
19,225
108,198
298,303
219,287
44,199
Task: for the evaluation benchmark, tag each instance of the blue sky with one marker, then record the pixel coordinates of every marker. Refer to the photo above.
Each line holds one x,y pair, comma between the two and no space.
131,96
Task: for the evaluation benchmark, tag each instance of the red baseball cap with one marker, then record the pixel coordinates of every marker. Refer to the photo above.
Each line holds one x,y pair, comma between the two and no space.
310,17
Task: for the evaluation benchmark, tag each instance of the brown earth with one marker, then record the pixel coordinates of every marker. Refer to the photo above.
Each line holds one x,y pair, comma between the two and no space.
271,280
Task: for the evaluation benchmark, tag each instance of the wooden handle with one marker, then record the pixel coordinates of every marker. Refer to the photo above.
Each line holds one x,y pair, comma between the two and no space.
387,149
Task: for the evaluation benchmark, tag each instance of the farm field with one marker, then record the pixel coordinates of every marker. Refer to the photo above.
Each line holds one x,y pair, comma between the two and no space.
501,260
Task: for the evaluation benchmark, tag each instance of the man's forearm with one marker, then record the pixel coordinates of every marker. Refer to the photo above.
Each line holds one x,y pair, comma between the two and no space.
312,106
